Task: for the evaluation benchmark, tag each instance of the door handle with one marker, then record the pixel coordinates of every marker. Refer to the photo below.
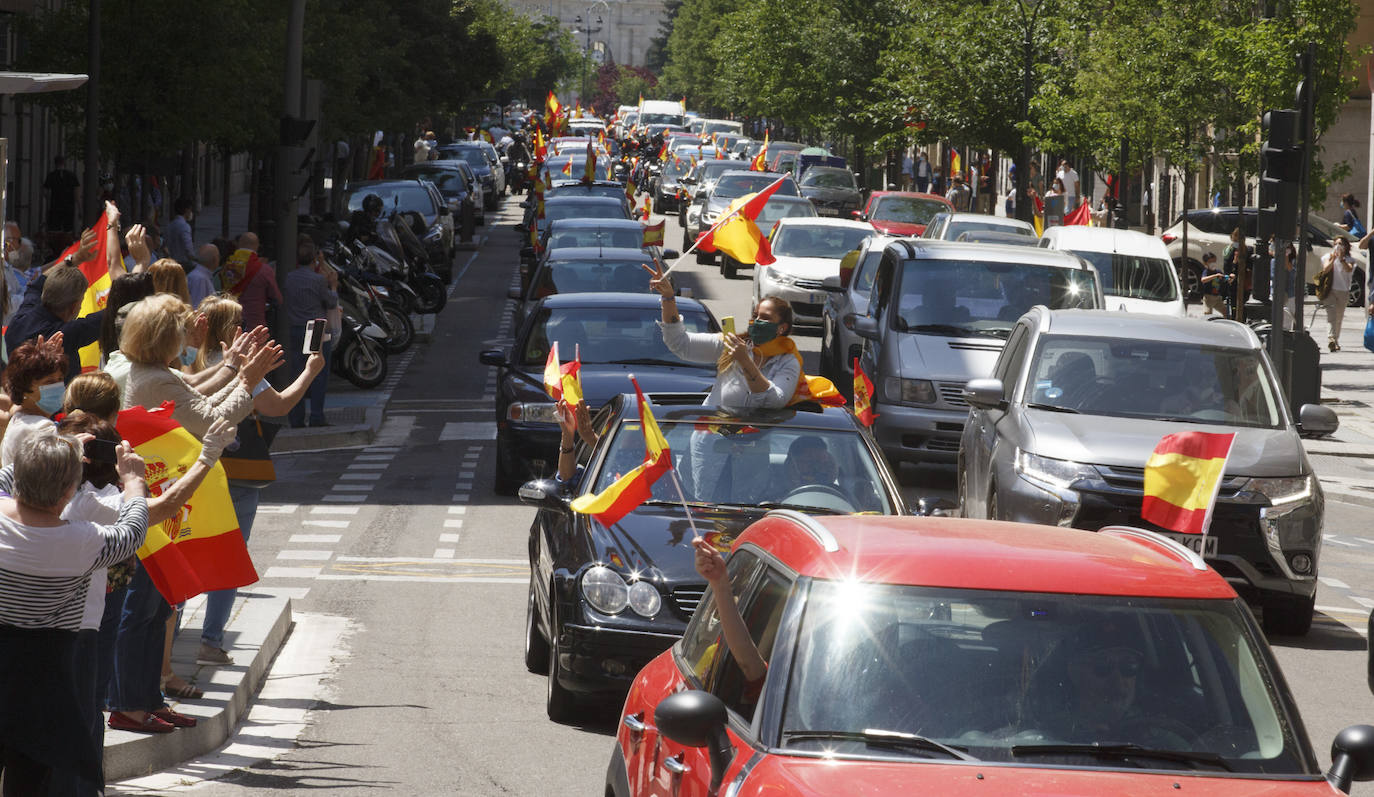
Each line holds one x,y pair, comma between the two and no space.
634,723
676,765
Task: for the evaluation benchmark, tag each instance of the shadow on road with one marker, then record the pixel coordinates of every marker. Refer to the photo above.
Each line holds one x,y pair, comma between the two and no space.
1327,633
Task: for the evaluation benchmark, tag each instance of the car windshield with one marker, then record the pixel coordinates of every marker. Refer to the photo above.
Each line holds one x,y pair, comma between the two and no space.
472,156
675,167
661,119
397,196
1134,276
557,168
818,240
825,177
778,209
446,180
956,228
713,169
906,210
731,186
1010,676
578,189
606,237
722,460
1325,229
553,211
590,276
720,127
607,335
969,297
1177,382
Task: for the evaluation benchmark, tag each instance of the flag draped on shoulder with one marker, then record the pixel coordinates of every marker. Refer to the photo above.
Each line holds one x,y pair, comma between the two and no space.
1182,478
564,381
863,396
635,487
97,274
737,235
201,549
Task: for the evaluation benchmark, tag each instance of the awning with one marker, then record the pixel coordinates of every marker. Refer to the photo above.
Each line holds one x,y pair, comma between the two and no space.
38,82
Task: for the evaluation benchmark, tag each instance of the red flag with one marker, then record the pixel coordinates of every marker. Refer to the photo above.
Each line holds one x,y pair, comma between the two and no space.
589,173
1182,478
863,396
1079,215
635,487
97,274
737,235
653,234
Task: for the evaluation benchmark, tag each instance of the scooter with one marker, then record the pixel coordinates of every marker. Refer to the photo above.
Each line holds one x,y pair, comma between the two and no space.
360,355
375,302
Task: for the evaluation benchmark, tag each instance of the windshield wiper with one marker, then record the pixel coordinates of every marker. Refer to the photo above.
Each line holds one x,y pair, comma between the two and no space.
652,361
883,738
790,505
1052,408
1122,751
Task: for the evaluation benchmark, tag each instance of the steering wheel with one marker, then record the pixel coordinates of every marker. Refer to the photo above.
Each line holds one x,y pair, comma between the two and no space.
824,489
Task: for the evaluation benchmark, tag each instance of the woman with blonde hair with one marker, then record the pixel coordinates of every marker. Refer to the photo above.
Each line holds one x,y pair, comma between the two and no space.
170,277
96,393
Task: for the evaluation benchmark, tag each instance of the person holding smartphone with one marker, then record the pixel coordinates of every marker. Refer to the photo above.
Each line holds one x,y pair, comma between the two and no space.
311,292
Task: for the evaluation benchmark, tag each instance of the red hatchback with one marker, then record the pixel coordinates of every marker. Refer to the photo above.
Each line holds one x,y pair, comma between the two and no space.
945,656
904,213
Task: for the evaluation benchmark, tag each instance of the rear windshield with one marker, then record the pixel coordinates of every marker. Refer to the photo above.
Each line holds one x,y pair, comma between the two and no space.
737,185
956,228
608,238
470,155
553,211
818,240
907,210
402,197
822,177
1134,277
590,276
966,298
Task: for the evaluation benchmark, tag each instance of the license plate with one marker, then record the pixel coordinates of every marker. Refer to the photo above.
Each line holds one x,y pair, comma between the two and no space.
1207,546
818,297
827,212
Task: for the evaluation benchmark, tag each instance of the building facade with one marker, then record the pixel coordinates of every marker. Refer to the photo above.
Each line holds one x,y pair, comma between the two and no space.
621,35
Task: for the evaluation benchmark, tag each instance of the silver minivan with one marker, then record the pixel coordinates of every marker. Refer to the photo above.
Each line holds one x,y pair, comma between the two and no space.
938,315
1060,432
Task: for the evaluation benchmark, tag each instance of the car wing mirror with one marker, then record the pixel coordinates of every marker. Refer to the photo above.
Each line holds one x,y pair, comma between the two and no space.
1352,756
985,394
697,719
494,357
1314,420
865,326
542,493
935,507
832,284
671,254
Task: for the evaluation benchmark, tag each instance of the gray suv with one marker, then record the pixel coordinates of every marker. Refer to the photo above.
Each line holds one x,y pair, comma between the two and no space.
1061,431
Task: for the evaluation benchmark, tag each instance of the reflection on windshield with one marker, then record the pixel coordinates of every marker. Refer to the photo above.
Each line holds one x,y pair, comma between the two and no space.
395,197
955,228
800,240
607,334
470,155
722,461
739,185
1132,276
613,238
906,210
1182,382
828,178
554,211
590,276
974,297
985,672
775,211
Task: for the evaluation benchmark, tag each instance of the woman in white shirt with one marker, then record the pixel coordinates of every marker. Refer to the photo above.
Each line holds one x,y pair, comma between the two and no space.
1342,267
33,382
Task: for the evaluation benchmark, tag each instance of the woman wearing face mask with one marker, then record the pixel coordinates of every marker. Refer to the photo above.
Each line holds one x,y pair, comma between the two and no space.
33,381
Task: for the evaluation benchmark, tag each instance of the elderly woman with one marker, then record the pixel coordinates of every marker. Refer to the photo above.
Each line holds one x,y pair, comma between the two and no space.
48,561
33,382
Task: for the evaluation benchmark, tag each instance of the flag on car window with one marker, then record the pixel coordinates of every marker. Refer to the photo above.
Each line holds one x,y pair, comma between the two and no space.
653,234
863,396
1182,478
635,487
564,381
737,235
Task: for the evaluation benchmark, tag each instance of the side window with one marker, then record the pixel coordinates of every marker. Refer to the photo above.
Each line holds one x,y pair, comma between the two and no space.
1013,356
762,612
882,286
702,645
864,275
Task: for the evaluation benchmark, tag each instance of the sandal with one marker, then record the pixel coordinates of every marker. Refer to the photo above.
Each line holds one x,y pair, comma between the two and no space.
180,690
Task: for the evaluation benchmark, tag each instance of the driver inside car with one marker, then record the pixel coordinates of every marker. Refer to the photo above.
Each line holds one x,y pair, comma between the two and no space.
809,461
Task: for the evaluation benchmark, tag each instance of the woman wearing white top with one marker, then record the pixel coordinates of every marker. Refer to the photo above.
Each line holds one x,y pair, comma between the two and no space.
33,381
1342,267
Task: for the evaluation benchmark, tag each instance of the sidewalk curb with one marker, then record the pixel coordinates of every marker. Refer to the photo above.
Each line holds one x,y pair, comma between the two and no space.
316,438
228,692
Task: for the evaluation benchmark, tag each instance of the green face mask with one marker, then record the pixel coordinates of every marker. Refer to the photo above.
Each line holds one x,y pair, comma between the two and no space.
760,331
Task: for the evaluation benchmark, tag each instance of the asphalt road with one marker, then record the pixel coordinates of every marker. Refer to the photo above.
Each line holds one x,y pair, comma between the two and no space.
406,540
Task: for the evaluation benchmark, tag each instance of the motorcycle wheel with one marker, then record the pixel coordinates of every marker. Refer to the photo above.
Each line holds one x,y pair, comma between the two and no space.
399,325
431,297
363,363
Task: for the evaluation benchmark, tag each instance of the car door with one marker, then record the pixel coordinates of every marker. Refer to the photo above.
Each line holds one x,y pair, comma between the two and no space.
870,357
986,426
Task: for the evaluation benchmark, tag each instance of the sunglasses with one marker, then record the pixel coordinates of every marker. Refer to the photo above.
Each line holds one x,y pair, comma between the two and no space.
1126,667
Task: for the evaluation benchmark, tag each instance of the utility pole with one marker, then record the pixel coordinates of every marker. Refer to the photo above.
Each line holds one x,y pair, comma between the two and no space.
287,198
91,178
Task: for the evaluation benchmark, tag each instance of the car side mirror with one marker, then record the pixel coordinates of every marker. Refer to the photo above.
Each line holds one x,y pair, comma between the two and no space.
1352,756
697,719
858,215
671,254
985,394
865,326
494,357
542,493
1314,420
832,284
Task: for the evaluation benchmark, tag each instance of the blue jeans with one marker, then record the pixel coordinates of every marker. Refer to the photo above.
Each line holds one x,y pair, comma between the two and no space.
136,683
219,603
315,393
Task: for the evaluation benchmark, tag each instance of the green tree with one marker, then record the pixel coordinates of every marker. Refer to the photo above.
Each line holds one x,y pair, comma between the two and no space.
656,56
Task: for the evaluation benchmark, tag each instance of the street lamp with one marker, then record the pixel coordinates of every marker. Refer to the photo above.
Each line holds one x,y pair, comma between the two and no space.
587,28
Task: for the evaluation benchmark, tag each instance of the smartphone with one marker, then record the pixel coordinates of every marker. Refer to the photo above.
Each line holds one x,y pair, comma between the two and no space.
727,325
314,335
102,451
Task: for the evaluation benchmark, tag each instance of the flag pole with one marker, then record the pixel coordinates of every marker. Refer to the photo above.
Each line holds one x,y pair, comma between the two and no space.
696,535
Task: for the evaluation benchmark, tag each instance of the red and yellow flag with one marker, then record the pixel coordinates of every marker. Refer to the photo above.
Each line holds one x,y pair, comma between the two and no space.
97,274
589,171
635,487
737,235
1182,478
1080,215
201,549
863,396
663,150
552,107
760,163
955,164
564,381
541,147
644,211
653,234
567,168
630,188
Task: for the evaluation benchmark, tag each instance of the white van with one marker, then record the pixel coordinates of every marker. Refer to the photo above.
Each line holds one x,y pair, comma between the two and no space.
662,112
1136,273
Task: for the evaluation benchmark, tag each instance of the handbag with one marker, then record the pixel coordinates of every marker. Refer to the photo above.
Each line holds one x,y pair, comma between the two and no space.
1325,277
248,459
1369,333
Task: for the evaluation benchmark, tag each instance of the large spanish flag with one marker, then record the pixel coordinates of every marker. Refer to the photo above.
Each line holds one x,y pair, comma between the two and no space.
1079,215
1182,479
201,549
737,235
97,274
635,487
552,106
589,170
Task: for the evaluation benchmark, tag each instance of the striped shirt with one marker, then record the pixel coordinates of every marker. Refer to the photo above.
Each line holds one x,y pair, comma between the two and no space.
46,570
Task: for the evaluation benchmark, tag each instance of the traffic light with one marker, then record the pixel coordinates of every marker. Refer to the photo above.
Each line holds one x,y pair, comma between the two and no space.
1281,159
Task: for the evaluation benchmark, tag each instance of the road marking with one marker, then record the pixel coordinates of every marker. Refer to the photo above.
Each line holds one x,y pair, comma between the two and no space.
468,430
453,523
443,553
351,488
466,474
334,510
448,538
466,484
327,524
294,593
374,457
366,477
1333,582
1365,602
429,579
457,510
461,498
1331,538
422,560
345,499
305,556
277,509
300,539
292,572
368,466
1365,540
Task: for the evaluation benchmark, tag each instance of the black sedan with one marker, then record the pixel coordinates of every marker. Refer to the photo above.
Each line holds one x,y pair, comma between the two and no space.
456,183
604,601
584,269
617,334
581,207
563,189
417,196
472,153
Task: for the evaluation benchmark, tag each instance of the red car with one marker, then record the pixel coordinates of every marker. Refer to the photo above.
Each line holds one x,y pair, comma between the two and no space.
912,655
904,213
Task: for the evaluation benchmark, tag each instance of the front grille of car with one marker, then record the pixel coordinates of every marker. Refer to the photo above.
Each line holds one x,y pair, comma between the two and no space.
808,285
687,598
806,308
1236,526
1131,478
952,393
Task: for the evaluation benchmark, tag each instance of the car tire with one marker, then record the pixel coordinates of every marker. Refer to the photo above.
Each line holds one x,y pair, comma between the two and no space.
703,258
559,703
657,205
536,646
729,267
1291,617
993,509
507,480
1190,278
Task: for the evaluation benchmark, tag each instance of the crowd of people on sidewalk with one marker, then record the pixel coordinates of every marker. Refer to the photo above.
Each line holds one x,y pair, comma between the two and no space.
83,627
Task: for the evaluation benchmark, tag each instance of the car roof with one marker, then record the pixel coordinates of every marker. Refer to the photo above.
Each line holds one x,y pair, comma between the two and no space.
824,221
642,301
910,195
597,253
588,199
930,249
688,408
983,218
789,199
1148,326
746,170
983,554
1082,238
355,186
598,224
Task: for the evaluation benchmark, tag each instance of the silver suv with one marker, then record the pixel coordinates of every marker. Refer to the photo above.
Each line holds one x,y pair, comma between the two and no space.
1079,399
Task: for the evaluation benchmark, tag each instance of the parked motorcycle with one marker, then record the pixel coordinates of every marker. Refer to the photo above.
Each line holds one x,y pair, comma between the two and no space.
409,264
360,354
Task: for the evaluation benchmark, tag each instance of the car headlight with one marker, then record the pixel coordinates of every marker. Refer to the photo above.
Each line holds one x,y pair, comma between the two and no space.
779,277
909,391
644,599
710,216
605,590
1282,492
532,412
1052,474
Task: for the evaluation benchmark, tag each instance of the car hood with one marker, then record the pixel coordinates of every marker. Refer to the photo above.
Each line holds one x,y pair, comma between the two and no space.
780,774
807,268
658,538
942,358
1128,442
1126,304
602,382
902,228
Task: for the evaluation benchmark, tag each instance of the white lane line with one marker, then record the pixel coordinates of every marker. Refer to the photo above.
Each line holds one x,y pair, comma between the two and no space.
468,430
384,449
443,553
327,524
305,556
352,488
1333,582
1331,538
1365,602
334,510
357,466
1365,540
374,457
327,539
345,499
422,560
453,523
465,484
360,477
448,538
428,579
292,572
277,509
457,510
466,474
461,498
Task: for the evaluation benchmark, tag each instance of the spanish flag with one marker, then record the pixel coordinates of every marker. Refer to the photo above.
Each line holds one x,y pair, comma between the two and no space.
567,168
653,234
760,163
97,274
1079,215
201,549
737,235
635,487
589,172
563,381
1182,478
552,107
630,187
541,147
955,164
863,396
663,150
